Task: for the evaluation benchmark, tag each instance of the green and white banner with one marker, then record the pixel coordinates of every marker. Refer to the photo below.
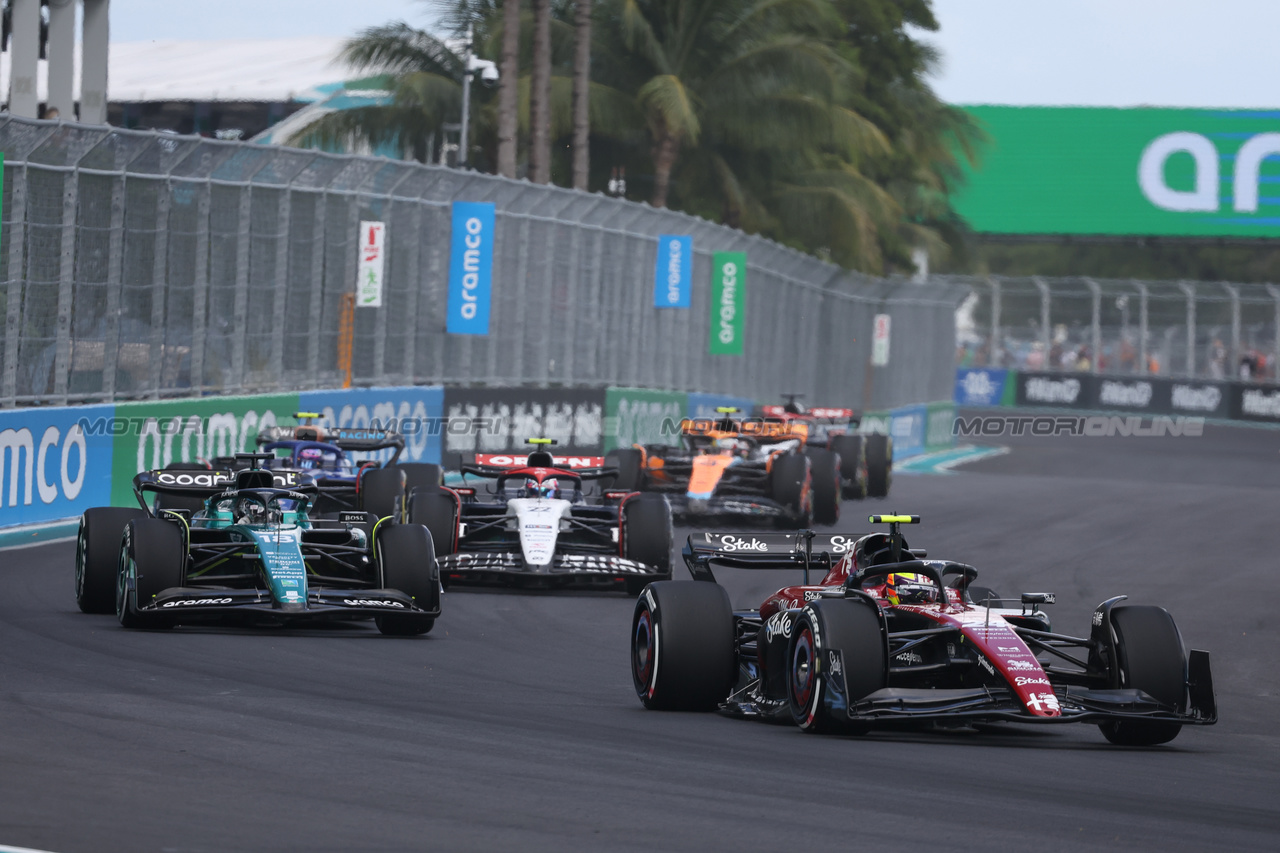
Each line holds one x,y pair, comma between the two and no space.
728,302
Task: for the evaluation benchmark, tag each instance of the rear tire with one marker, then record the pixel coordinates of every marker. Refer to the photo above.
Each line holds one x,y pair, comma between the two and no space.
879,465
98,556
152,559
827,632
683,646
1152,659
629,463
789,486
406,562
853,465
826,486
420,475
437,510
382,491
646,536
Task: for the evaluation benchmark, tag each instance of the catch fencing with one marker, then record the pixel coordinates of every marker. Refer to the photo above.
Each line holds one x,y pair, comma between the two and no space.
1185,329
140,265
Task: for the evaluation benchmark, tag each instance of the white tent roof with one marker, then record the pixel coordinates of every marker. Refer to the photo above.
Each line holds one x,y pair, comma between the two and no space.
220,70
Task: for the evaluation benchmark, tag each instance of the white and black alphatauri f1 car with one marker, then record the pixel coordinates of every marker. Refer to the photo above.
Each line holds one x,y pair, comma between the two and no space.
532,522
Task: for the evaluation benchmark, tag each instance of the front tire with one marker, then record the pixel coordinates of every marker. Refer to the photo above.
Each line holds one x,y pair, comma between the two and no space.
837,655
406,562
1151,658
683,646
153,558
98,556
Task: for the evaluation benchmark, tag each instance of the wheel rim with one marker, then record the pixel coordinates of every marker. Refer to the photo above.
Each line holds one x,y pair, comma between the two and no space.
81,545
642,650
803,678
121,584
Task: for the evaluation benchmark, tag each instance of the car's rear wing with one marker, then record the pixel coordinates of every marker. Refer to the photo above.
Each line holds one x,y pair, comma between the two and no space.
353,439
804,550
206,484
494,465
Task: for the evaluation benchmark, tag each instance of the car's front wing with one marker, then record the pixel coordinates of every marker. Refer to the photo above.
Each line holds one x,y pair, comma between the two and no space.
566,569
191,604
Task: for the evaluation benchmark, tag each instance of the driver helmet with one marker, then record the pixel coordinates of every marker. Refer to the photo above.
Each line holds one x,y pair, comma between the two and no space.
546,489
310,457
252,511
905,588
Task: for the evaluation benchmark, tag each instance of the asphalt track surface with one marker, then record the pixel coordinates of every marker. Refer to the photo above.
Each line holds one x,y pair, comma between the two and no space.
514,725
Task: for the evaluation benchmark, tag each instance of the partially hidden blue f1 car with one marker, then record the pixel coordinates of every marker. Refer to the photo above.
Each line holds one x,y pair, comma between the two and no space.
251,553
888,636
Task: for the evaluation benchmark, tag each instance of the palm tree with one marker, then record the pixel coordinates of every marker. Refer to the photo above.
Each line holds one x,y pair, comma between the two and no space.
425,78
581,94
508,88
540,95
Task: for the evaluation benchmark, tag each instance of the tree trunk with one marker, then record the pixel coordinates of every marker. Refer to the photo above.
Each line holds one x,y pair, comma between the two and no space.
540,95
581,94
664,159
508,88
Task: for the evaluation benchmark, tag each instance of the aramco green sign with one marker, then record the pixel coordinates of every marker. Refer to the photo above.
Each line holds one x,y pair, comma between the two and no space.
1077,170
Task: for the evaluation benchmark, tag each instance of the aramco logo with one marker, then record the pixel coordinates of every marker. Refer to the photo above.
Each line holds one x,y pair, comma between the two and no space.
1204,197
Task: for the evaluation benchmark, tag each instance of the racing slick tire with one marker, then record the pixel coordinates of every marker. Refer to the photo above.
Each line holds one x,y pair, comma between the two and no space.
153,558
1151,658
879,450
646,536
419,475
98,556
630,465
826,486
837,655
406,562
791,487
436,509
853,465
683,646
381,491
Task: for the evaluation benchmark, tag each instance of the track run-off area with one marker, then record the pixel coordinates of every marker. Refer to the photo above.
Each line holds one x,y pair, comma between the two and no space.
514,726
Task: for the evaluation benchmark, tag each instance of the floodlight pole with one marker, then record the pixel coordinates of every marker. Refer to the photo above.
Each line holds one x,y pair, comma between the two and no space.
466,99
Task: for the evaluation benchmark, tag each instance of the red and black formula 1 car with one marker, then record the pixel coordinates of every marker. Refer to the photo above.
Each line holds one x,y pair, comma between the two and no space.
537,522
889,636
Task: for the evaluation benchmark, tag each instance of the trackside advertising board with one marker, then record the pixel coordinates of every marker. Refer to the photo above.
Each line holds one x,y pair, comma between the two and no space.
1076,170
728,302
673,275
50,467
470,268
638,416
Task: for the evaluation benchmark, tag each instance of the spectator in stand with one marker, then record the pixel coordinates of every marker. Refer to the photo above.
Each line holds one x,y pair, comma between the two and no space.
1128,357
1153,363
1250,366
1035,358
1083,365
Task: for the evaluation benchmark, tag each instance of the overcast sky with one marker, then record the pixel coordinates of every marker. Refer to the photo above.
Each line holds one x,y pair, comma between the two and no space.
1212,53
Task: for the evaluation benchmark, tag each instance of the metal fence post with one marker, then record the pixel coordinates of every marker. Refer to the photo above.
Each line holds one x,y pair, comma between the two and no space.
1275,358
115,265
1095,324
1234,293
199,287
240,304
995,324
316,312
1142,327
159,300
414,277
17,278
284,210
1190,292
1046,337
66,285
